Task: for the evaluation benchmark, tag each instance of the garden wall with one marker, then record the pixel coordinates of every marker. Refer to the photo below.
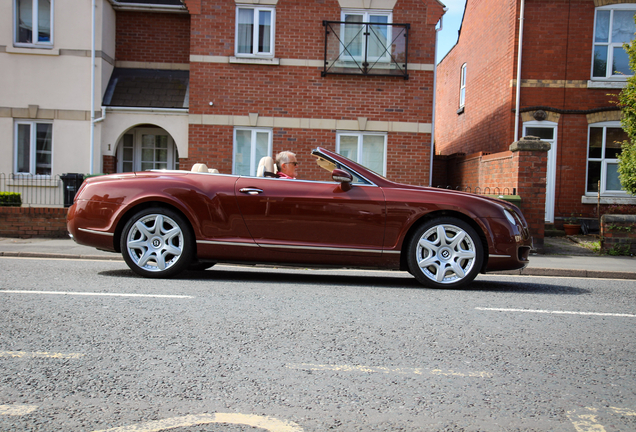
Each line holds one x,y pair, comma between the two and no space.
28,222
618,234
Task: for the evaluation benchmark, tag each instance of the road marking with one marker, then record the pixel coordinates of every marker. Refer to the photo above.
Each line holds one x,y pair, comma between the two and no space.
17,409
94,294
557,312
587,421
268,423
25,354
387,370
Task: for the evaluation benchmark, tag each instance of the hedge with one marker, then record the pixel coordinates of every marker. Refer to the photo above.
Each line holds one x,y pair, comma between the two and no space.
10,199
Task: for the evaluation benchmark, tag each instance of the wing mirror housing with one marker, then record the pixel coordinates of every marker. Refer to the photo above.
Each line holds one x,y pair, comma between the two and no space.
343,177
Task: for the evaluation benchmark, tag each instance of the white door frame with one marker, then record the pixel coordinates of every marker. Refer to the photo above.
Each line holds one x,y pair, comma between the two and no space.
550,181
137,137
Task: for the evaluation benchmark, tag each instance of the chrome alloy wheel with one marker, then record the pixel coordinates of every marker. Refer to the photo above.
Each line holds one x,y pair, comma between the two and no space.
155,242
446,254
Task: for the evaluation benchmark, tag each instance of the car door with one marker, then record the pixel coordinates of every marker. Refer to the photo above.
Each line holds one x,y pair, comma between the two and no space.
312,217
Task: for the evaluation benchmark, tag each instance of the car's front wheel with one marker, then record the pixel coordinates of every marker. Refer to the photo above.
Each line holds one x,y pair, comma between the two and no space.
157,243
445,252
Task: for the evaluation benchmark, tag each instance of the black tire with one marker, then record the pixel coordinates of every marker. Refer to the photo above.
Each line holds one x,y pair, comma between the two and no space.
157,243
200,265
445,252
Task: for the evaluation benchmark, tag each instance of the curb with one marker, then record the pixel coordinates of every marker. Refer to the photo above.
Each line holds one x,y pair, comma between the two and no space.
553,272
60,256
597,274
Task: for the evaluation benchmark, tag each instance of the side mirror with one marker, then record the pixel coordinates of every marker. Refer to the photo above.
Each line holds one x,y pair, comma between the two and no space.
343,177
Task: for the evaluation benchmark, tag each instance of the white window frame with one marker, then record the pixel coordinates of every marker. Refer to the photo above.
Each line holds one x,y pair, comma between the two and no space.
35,26
32,148
462,86
253,161
137,133
360,149
366,13
604,161
609,73
255,34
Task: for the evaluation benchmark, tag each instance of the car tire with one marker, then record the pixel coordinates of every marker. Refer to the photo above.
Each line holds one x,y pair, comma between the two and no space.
445,252
157,243
200,265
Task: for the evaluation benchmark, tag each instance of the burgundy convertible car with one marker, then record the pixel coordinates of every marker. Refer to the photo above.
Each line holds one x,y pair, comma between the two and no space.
164,222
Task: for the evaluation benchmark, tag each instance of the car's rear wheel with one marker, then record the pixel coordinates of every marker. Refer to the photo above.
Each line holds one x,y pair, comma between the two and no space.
157,243
445,252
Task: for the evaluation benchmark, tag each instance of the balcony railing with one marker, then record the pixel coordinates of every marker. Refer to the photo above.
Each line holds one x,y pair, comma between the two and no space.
374,49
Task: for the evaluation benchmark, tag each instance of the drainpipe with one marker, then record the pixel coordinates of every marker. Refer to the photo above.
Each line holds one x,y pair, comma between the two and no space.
518,95
430,170
93,6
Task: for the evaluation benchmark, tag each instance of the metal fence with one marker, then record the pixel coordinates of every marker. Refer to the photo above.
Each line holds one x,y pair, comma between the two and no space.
35,191
483,191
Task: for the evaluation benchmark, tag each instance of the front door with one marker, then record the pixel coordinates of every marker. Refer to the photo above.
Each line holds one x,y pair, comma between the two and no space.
312,217
146,148
546,131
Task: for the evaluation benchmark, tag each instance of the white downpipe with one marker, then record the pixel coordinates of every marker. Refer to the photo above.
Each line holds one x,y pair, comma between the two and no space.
432,155
93,6
519,56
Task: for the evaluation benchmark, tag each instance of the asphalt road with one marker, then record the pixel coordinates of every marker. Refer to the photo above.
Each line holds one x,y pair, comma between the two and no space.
88,346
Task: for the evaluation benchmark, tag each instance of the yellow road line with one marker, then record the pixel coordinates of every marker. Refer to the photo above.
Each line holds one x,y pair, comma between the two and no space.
268,423
25,354
17,409
388,370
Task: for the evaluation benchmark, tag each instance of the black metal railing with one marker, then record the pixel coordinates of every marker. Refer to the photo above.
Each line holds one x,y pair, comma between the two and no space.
34,191
358,48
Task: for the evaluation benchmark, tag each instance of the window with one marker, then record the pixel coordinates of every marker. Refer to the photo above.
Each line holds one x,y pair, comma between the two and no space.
360,43
462,86
368,149
33,148
146,148
605,141
613,26
250,145
33,23
255,31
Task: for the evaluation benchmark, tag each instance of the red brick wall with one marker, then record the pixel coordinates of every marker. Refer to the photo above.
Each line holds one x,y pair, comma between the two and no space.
153,37
557,46
27,222
301,92
487,46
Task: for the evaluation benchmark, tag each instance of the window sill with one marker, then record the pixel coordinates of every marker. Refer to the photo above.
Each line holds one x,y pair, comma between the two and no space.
34,50
255,60
606,84
608,200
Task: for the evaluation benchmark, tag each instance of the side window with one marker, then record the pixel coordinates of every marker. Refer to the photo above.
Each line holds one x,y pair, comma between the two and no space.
613,26
33,23
368,149
462,86
604,145
255,31
33,148
250,145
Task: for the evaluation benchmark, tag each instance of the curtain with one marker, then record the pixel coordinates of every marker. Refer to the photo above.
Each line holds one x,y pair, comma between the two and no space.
245,31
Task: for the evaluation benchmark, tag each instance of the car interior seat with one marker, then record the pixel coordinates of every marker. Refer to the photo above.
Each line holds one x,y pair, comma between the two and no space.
266,167
199,167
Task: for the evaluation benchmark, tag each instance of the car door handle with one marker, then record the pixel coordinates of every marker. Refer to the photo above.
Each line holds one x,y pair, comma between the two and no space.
251,191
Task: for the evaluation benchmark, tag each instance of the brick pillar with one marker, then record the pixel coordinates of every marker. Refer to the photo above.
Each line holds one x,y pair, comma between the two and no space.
530,158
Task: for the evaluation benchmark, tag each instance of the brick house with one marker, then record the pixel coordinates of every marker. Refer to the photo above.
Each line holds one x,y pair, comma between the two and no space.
572,65
220,82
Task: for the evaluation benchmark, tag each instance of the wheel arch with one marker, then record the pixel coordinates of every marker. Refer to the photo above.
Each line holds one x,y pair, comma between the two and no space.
143,206
443,213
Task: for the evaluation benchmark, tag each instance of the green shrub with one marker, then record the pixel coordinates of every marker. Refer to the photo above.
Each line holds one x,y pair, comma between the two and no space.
10,199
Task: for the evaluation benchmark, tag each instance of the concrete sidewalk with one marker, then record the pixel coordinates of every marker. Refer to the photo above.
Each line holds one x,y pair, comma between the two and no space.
562,258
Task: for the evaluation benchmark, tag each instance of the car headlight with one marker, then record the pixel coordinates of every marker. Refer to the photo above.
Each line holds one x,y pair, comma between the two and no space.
510,218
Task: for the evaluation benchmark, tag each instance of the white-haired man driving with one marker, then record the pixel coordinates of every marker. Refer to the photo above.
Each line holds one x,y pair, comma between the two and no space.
286,163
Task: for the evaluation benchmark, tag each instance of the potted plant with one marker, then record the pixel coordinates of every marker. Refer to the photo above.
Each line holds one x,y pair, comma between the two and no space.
572,226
